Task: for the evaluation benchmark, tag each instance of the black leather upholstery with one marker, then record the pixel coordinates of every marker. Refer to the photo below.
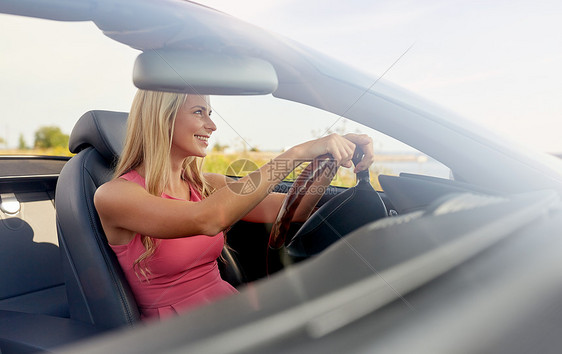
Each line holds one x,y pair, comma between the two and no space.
96,287
97,290
103,130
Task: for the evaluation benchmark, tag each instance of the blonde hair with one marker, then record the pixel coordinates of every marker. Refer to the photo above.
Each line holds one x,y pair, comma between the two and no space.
150,128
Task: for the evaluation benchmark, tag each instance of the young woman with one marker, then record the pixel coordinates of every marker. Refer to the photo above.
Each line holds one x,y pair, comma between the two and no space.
164,218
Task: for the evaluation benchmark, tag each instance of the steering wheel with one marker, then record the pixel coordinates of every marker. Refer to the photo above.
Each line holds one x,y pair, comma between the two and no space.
339,216
320,165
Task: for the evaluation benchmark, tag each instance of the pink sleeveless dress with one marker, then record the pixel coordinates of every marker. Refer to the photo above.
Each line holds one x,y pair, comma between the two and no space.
184,271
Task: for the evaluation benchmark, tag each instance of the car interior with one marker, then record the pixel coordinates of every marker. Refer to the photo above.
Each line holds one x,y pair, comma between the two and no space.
79,284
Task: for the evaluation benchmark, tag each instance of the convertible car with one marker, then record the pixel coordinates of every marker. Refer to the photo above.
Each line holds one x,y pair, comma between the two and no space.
465,262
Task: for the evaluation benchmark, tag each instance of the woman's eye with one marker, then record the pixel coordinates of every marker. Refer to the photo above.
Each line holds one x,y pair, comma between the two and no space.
198,112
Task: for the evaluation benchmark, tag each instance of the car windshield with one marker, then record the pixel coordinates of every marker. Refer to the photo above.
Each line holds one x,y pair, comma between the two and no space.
95,73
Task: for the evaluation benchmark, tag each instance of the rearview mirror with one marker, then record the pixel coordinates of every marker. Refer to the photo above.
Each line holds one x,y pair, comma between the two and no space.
203,73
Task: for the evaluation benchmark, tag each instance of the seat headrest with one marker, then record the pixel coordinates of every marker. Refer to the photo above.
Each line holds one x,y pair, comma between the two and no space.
103,130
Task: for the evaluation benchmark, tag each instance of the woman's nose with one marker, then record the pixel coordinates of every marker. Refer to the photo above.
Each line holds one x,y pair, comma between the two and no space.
209,124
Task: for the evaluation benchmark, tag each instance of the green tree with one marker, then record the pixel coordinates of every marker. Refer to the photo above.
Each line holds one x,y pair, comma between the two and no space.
50,137
21,143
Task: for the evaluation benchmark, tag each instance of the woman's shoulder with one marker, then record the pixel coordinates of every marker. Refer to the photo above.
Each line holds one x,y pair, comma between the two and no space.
123,182
119,187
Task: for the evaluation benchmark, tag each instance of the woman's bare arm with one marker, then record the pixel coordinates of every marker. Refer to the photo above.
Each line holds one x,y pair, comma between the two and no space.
266,211
126,208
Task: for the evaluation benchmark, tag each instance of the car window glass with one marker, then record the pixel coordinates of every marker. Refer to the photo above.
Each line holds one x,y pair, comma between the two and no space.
259,128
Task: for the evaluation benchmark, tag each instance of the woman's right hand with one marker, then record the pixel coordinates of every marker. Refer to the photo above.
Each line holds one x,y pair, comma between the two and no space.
338,146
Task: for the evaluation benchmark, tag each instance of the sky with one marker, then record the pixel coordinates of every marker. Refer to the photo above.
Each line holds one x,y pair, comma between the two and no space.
497,63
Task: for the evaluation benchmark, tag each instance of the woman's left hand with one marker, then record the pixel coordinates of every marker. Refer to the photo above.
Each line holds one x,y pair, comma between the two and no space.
366,143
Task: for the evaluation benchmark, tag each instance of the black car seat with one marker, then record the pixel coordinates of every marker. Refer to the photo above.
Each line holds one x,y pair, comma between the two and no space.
97,290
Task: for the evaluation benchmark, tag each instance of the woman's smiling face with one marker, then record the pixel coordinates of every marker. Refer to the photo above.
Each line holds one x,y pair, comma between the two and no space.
193,127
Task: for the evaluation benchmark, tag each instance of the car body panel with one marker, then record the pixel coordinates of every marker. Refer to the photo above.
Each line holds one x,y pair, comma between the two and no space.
359,278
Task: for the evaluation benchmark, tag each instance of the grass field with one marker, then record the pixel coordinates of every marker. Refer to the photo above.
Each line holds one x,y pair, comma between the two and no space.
57,151
226,164
222,163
